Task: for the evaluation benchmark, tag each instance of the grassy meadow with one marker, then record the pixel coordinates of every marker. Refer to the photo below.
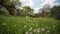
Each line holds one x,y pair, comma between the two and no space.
28,25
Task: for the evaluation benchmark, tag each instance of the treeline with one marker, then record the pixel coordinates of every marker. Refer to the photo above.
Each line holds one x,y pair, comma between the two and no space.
11,7
47,11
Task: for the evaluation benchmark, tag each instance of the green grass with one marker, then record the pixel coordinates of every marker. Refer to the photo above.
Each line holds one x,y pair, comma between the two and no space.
27,25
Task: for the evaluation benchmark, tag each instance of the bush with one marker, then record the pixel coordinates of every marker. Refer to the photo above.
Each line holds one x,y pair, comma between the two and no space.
3,11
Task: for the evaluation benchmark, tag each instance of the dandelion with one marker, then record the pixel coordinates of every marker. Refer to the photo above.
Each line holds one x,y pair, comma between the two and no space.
42,29
26,32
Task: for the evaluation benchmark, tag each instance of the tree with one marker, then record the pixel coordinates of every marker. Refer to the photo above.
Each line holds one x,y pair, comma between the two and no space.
55,12
3,11
10,6
28,10
45,10
20,12
25,11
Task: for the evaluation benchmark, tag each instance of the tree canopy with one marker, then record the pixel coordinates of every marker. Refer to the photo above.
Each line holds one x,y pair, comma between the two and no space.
55,12
10,5
26,11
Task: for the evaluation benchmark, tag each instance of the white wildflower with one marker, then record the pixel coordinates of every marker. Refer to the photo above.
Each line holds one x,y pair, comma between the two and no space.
54,26
38,30
4,23
48,31
30,33
24,26
15,25
42,29
30,29
26,32
34,30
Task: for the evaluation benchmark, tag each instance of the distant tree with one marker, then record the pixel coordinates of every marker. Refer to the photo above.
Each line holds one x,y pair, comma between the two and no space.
25,11
20,12
55,12
38,15
43,13
28,10
45,10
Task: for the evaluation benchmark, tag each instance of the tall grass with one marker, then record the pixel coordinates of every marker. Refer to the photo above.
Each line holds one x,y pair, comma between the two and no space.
27,25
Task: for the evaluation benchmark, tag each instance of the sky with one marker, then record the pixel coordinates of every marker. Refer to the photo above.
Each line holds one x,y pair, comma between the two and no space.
38,4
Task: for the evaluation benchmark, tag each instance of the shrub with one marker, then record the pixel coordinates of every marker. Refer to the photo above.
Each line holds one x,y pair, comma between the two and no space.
3,11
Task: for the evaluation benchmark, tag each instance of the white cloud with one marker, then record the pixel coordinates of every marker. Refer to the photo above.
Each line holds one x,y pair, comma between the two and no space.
27,2
43,2
36,10
51,2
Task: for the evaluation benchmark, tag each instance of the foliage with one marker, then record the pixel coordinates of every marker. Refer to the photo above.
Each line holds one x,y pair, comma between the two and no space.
28,10
10,5
55,12
25,11
16,3
20,12
3,11
5,2
45,11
